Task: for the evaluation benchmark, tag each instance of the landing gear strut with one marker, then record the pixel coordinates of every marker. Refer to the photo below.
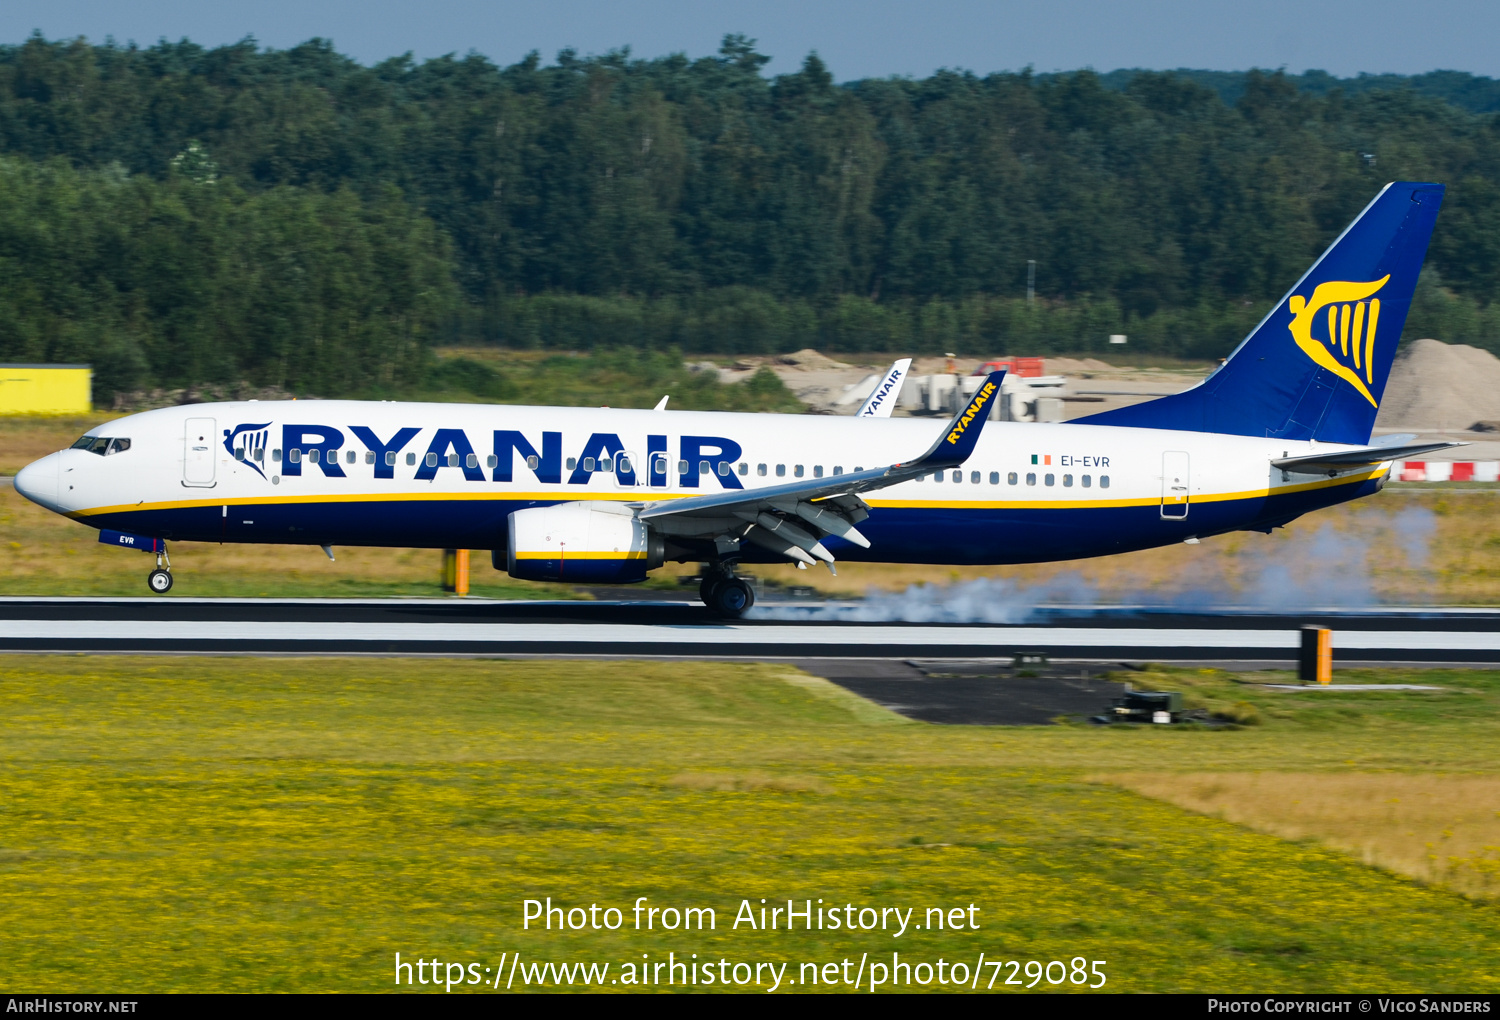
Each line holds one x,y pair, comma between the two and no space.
725,594
160,579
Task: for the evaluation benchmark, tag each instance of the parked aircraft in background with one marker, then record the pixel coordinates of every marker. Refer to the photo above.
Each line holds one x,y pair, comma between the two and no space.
605,495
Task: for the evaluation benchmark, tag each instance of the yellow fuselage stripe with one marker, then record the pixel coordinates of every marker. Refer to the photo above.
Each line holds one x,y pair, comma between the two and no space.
628,497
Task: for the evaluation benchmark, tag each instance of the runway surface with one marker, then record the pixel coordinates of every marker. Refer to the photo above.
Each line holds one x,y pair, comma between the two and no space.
638,628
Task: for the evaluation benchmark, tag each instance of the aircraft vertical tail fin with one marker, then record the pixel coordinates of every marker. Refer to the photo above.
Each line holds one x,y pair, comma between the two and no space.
1317,365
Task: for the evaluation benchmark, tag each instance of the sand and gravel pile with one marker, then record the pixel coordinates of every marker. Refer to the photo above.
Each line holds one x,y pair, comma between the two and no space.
809,360
1436,386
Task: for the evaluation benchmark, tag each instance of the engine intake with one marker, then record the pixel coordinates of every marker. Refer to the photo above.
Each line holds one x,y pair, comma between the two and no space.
599,542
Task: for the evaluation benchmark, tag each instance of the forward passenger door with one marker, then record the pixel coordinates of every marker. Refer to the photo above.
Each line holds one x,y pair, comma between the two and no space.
198,443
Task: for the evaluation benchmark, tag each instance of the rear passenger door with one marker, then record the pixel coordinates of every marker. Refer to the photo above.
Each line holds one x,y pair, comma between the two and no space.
1174,485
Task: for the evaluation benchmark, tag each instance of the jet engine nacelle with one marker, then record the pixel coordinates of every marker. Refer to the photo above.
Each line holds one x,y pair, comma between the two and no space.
599,542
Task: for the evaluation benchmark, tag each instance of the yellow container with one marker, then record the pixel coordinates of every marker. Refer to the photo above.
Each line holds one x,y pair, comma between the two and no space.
46,389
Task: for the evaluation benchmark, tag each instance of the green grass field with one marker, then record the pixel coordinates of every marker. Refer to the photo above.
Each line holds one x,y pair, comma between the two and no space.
292,824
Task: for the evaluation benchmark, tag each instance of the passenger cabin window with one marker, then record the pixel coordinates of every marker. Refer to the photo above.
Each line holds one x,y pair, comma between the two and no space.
760,469
390,458
1011,478
682,467
1087,480
937,476
411,458
622,464
1104,481
995,478
472,460
703,467
744,469
349,457
239,453
588,463
974,477
572,463
838,470
532,462
723,468
294,455
797,470
780,470
312,456
431,459
958,476
370,456
1049,480
1067,481
817,470
276,456
1031,478
491,461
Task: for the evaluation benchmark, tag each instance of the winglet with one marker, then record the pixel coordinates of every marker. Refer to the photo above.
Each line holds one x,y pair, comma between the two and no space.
882,399
957,441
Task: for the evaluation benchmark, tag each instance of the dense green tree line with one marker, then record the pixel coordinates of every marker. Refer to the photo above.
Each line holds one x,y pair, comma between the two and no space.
181,281
176,213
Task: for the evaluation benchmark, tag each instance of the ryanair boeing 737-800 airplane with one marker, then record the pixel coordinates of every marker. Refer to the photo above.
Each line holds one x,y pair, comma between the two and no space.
605,495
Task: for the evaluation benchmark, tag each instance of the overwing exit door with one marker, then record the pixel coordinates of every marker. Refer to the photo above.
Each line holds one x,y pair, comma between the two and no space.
198,442
1174,485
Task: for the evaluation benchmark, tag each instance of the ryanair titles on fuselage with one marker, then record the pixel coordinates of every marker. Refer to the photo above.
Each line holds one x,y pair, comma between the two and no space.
323,446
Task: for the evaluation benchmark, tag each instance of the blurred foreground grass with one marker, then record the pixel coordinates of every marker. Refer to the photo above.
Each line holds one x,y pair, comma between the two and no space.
239,824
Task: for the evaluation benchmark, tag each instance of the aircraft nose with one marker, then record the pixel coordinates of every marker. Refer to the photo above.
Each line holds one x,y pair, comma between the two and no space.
38,481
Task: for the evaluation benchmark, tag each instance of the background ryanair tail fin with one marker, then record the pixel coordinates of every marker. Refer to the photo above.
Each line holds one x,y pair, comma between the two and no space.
1316,366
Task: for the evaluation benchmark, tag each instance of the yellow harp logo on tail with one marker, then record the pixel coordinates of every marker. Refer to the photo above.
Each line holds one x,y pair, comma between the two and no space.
1349,350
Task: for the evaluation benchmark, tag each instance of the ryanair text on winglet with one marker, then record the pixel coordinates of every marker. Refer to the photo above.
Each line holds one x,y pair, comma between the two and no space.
974,408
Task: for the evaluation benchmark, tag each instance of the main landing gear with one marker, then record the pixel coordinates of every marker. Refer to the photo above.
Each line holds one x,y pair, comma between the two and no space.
160,579
724,594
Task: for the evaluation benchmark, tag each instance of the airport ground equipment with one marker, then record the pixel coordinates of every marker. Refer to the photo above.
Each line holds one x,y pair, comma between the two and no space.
1147,707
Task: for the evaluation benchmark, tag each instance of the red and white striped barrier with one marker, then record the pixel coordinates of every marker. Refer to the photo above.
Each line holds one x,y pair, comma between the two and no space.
1446,471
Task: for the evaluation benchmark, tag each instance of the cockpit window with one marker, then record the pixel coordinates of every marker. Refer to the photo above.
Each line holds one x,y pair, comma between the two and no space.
102,445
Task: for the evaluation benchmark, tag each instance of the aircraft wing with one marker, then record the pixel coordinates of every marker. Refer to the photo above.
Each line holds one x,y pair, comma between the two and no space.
792,519
1344,460
882,399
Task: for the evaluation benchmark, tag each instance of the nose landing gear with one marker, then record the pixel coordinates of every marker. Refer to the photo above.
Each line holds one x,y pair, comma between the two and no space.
160,579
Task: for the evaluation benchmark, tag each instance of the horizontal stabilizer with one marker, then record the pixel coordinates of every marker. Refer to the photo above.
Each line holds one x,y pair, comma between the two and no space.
1344,460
